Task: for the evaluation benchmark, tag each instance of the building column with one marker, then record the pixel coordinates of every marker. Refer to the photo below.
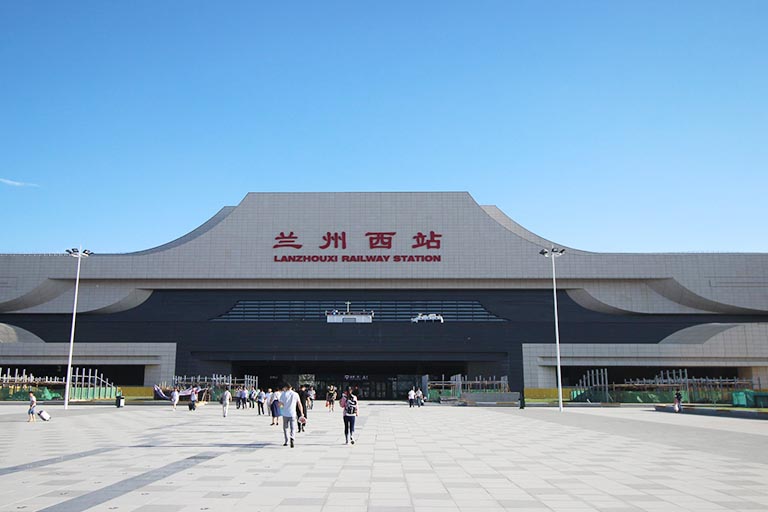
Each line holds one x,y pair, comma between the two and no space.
757,374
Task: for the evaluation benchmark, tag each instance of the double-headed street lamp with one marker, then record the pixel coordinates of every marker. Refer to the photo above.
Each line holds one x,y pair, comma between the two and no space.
553,253
79,254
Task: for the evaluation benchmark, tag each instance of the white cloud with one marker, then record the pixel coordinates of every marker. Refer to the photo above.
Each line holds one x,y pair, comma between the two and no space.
17,183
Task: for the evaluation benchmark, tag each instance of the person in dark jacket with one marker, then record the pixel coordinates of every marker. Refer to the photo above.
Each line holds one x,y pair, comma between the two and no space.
302,406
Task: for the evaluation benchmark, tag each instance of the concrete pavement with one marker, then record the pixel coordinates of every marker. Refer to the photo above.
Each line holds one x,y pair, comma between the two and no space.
148,458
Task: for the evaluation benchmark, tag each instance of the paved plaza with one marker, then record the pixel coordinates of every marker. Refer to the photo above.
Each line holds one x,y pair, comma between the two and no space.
146,458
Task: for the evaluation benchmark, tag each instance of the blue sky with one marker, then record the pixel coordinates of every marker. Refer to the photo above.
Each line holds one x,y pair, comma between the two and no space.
607,126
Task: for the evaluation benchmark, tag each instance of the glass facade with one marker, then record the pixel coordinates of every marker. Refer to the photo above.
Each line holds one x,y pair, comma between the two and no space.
384,310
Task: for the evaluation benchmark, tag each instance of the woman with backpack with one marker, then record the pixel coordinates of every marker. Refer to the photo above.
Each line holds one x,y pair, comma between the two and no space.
350,408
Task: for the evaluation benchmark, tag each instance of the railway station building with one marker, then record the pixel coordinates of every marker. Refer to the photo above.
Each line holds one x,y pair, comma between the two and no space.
373,289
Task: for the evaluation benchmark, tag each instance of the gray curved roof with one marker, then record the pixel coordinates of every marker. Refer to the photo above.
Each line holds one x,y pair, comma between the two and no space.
438,240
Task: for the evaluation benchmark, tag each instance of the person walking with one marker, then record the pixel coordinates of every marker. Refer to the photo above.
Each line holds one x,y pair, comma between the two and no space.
291,408
330,398
419,397
244,397
260,396
678,404
193,399
411,397
268,401
351,409
312,395
174,398
274,407
226,397
252,398
32,404
303,399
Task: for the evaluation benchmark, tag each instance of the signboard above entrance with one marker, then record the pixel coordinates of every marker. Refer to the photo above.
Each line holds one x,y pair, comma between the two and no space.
289,241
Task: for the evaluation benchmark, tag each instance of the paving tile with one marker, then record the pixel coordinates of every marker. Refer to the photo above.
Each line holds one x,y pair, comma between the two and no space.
159,508
227,495
302,502
576,461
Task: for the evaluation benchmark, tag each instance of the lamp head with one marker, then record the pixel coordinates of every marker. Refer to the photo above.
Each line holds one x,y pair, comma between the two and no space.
75,253
554,252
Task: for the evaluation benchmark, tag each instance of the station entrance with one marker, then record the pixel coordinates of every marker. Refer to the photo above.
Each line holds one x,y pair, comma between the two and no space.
379,380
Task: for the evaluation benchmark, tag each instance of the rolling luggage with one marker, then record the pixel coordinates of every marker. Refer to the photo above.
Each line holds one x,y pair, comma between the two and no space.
44,415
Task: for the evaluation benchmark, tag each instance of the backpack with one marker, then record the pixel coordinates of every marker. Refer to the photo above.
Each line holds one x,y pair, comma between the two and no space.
350,407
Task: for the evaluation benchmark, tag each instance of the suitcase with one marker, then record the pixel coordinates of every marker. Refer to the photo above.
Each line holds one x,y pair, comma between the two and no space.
44,415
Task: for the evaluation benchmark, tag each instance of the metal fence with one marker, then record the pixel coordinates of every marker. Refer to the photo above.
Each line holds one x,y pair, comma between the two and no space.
213,381
594,387
87,384
453,389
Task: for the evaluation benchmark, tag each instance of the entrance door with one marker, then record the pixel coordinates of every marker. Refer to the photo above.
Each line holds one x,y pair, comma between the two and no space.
373,380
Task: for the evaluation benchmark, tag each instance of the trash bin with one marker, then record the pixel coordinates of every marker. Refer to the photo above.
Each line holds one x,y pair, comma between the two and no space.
119,401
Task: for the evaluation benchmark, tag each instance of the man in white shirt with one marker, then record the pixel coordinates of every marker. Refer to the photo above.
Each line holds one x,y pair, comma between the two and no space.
289,402
175,398
260,399
411,397
226,397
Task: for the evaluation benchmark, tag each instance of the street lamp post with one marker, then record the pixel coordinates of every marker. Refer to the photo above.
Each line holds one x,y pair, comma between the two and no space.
79,254
552,254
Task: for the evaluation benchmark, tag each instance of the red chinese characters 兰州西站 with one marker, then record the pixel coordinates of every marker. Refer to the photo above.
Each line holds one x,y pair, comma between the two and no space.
336,239
380,239
431,242
376,240
288,240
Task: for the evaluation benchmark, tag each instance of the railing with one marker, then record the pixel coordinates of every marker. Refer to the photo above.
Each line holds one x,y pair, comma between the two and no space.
210,387
23,378
460,384
594,386
87,384
215,380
